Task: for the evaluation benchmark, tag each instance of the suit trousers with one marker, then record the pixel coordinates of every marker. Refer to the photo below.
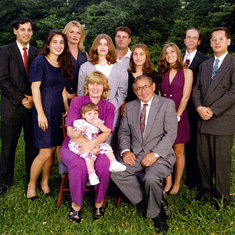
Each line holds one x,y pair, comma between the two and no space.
129,184
214,158
10,132
193,177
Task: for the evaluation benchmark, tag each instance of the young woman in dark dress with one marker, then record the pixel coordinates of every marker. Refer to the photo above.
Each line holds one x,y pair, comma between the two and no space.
75,37
176,84
48,74
140,64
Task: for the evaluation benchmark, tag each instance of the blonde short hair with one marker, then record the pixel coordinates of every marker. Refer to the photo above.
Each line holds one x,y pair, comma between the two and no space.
77,24
95,77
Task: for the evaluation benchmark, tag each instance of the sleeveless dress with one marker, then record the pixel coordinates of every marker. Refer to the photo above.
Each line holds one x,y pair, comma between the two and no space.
174,91
52,85
91,133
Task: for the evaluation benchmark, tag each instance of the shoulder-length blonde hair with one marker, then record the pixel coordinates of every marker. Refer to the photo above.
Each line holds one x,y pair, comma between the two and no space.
147,66
111,57
77,24
164,66
96,76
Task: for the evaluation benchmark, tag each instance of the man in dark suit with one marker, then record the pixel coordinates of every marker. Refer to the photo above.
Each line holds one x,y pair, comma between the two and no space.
214,100
192,58
146,136
16,100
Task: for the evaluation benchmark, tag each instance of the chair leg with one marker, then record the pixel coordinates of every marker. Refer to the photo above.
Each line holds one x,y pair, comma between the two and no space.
60,192
119,200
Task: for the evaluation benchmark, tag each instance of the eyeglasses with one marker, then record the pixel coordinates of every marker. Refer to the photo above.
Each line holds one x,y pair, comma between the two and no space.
218,39
143,88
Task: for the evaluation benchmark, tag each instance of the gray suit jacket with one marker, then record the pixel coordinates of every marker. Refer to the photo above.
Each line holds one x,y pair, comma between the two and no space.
219,95
160,134
118,82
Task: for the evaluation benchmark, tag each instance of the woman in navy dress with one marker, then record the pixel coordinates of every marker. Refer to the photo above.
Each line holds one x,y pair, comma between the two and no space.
75,37
176,85
48,74
140,64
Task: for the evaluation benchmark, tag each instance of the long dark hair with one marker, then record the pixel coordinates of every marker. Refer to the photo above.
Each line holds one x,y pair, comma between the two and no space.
147,66
64,59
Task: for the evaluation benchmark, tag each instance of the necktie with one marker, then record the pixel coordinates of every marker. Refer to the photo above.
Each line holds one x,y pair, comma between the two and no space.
26,60
187,63
215,69
142,119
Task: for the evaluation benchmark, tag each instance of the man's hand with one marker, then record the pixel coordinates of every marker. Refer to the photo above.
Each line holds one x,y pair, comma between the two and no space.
149,159
205,112
27,102
129,158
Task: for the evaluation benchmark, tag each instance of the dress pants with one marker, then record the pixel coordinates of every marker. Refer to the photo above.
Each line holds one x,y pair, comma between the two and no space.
10,132
78,173
129,184
214,158
193,177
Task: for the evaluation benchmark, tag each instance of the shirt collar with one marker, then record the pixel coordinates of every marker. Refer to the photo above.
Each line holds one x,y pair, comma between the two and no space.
221,58
190,55
149,102
127,55
21,47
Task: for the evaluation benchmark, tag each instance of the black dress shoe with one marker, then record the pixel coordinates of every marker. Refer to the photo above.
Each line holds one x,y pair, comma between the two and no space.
2,190
165,211
203,197
160,224
50,194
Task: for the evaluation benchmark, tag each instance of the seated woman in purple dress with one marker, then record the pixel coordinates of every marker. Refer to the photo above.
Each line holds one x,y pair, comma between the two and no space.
48,74
75,38
96,90
176,85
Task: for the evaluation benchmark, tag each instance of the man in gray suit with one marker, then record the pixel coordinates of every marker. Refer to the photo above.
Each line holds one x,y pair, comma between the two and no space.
146,145
214,100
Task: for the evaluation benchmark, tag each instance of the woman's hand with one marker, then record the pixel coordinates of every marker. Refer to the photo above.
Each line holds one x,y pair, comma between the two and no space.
42,121
87,146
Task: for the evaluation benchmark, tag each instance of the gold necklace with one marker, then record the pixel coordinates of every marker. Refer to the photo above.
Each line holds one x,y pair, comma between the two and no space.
52,60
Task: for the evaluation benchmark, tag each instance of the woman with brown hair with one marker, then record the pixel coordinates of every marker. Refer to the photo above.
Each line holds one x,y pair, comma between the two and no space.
176,85
102,57
48,74
75,37
140,64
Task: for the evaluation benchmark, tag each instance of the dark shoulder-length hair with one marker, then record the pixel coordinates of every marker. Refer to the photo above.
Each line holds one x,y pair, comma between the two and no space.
147,66
164,66
64,59
111,57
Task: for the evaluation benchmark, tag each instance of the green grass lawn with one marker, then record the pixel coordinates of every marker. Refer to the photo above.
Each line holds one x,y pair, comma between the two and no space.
20,216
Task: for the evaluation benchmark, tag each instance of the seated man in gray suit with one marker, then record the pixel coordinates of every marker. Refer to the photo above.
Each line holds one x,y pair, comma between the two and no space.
146,135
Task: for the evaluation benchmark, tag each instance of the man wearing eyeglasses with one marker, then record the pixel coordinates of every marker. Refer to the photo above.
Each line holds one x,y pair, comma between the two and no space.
146,135
214,100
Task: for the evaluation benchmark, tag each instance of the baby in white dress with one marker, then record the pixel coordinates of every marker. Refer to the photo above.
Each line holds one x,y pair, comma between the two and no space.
90,127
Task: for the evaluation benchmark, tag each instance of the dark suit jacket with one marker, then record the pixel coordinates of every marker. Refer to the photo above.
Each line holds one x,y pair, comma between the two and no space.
219,95
13,79
160,134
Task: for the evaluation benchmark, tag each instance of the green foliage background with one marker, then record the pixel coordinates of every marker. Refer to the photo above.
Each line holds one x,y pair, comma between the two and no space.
153,22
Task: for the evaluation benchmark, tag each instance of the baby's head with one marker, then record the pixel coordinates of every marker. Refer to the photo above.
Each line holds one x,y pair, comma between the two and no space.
90,112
